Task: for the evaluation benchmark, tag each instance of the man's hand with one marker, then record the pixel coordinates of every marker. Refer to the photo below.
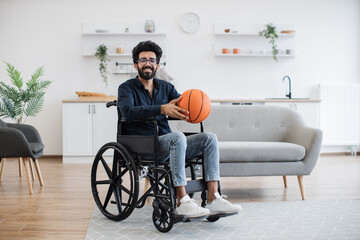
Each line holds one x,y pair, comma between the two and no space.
174,111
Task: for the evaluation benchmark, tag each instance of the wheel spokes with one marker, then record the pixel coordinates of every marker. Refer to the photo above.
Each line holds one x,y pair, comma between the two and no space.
103,182
117,198
108,196
106,167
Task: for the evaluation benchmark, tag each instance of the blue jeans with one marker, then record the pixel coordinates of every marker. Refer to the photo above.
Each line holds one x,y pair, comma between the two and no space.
180,148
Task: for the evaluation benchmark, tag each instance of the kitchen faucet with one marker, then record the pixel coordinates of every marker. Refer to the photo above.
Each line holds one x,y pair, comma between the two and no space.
288,95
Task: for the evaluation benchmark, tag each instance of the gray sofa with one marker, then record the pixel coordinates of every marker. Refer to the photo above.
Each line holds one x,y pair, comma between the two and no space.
261,141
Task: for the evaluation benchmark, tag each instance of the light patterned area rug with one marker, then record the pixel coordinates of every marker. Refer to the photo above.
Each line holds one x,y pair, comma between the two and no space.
334,219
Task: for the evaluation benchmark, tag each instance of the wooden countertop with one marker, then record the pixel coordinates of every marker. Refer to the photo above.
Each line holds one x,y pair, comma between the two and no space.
90,99
108,99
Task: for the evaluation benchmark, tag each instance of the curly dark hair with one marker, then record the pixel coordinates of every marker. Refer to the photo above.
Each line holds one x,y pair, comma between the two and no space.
146,46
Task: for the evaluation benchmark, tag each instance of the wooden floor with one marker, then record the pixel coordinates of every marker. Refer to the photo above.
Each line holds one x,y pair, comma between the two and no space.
62,208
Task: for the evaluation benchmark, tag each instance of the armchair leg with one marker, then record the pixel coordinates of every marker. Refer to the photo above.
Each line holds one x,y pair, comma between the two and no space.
20,166
37,167
29,182
301,185
32,170
2,161
285,181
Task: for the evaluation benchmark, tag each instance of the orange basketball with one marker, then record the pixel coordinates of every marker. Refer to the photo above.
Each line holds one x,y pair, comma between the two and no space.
197,103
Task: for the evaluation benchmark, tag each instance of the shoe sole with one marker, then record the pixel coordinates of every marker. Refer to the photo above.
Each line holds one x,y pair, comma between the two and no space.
196,216
228,212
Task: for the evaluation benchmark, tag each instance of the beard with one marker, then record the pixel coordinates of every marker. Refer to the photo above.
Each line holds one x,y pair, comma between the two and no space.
147,75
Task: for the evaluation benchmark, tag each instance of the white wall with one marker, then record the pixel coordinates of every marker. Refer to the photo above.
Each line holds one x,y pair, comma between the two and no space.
43,32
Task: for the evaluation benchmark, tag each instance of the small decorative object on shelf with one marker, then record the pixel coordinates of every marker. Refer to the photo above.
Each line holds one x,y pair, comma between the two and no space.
101,31
101,54
270,33
120,49
225,51
149,26
288,32
227,30
127,29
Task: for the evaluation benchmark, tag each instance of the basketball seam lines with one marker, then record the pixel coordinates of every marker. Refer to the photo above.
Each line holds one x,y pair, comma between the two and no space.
202,102
189,105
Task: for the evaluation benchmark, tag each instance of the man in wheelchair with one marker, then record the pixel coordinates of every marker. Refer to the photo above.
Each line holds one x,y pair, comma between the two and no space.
146,97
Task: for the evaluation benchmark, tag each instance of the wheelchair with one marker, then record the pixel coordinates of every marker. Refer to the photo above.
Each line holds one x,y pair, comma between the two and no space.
118,166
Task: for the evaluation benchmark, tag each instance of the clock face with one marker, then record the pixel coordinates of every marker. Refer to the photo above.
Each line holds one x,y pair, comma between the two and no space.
190,22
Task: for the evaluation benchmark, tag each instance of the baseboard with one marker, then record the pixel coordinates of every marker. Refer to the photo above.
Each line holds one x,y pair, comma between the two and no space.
52,156
337,154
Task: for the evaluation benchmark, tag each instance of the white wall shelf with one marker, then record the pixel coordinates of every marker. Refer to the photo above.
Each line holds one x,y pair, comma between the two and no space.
252,34
124,34
253,55
244,37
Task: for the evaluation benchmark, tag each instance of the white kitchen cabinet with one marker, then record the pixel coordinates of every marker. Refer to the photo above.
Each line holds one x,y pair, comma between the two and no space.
86,127
310,111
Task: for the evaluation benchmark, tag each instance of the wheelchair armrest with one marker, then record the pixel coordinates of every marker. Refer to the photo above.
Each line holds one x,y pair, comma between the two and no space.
112,103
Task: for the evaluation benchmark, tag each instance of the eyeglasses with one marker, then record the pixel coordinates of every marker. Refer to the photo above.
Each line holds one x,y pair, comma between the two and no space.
143,61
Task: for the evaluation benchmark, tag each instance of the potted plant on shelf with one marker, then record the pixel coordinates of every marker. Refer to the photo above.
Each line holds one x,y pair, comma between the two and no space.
270,33
101,54
17,102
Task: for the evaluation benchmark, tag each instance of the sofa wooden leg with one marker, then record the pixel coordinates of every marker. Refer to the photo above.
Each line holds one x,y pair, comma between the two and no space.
27,172
20,166
285,181
2,168
301,185
37,167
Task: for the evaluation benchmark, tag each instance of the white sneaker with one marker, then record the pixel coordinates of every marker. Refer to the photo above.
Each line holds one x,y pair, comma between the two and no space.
220,205
191,208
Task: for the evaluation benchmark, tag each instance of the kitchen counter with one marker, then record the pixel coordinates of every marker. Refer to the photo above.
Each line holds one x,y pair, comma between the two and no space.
108,99
264,100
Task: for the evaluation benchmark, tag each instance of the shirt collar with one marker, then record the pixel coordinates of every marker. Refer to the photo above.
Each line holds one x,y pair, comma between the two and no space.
139,84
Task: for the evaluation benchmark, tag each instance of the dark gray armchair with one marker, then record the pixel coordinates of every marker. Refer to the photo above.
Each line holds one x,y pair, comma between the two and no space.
23,142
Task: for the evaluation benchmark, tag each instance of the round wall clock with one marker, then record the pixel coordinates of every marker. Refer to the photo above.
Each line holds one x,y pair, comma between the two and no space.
189,22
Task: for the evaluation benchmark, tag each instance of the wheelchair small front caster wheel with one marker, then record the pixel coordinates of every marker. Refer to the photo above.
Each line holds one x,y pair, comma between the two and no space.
163,219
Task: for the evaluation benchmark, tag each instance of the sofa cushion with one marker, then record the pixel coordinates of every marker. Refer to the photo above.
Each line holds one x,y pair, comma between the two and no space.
260,152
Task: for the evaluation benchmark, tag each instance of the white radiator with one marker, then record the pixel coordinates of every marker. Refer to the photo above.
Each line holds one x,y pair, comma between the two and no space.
340,114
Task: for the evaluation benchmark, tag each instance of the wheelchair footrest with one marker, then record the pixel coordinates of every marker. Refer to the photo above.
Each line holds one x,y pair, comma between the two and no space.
184,218
215,217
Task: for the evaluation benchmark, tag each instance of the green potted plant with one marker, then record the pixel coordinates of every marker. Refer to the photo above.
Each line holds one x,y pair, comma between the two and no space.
101,54
270,33
17,102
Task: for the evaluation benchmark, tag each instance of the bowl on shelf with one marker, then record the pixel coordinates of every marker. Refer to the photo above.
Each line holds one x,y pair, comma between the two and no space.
288,31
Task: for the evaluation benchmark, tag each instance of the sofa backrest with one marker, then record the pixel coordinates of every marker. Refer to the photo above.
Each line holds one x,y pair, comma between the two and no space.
246,123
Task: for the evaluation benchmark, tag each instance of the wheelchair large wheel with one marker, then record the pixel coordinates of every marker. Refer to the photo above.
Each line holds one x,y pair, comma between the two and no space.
114,181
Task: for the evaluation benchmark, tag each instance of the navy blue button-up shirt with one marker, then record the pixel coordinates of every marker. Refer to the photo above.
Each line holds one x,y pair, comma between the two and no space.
135,103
